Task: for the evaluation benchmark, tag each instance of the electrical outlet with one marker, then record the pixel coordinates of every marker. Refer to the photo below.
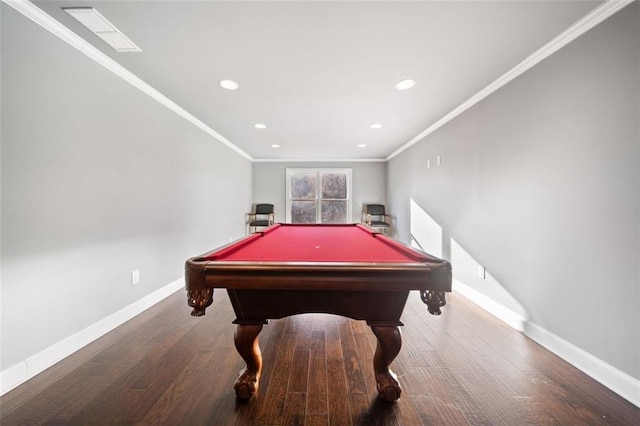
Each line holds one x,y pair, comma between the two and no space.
438,161
135,277
482,272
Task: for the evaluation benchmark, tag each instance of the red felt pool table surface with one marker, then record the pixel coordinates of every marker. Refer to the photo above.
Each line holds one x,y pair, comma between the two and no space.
317,257
318,243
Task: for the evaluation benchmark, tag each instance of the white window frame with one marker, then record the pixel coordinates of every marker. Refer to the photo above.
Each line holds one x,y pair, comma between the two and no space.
347,171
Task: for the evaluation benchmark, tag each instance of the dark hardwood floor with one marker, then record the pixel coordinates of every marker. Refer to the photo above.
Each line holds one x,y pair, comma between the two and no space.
166,367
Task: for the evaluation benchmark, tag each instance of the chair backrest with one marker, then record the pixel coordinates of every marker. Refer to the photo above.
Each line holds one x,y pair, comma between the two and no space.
375,209
264,208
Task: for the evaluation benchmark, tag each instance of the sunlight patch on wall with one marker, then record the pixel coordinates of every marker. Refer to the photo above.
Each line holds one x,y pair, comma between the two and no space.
484,290
426,233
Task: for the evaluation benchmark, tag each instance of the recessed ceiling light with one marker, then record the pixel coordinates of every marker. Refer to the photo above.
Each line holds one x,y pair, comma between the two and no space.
275,146
362,145
229,84
376,126
100,26
405,84
260,126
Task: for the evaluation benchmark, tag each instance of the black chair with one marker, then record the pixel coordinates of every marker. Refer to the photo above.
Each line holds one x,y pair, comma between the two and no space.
376,217
262,216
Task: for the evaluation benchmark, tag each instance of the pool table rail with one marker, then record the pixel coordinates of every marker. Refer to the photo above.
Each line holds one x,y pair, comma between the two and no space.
202,275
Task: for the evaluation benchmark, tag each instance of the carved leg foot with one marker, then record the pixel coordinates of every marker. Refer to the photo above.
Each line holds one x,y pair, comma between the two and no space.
246,340
247,384
434,300
199,300
388,347
388,386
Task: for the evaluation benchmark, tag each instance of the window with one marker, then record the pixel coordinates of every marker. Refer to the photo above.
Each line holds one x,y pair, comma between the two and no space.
318,196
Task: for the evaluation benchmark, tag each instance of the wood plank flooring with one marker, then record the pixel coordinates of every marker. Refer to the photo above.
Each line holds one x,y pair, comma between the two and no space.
166,367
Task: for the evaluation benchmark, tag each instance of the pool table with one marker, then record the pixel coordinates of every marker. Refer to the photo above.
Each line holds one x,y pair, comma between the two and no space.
289,269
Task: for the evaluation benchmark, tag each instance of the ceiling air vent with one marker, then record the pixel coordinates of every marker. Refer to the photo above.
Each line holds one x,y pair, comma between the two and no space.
98,24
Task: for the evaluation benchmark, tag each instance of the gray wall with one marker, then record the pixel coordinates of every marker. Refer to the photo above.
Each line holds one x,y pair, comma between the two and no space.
368,186
540,184
97,180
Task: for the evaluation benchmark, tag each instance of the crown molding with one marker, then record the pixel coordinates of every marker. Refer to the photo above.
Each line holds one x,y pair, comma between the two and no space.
43,19
590,20
593,18
319,160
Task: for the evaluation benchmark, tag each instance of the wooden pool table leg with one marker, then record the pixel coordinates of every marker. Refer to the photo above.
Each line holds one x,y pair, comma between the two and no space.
388,347
246,340
199,300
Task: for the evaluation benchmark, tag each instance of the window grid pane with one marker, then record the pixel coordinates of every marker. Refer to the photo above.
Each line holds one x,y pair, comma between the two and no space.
333,211
304,186
334,185
303,211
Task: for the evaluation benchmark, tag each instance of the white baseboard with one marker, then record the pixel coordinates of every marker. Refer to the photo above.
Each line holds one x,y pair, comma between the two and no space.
618,381
35,364
499,311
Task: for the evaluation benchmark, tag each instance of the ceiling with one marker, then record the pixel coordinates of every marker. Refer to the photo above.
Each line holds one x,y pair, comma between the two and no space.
320,73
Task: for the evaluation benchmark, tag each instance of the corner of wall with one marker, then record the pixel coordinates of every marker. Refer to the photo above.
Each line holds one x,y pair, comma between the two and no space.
619,382
26,369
